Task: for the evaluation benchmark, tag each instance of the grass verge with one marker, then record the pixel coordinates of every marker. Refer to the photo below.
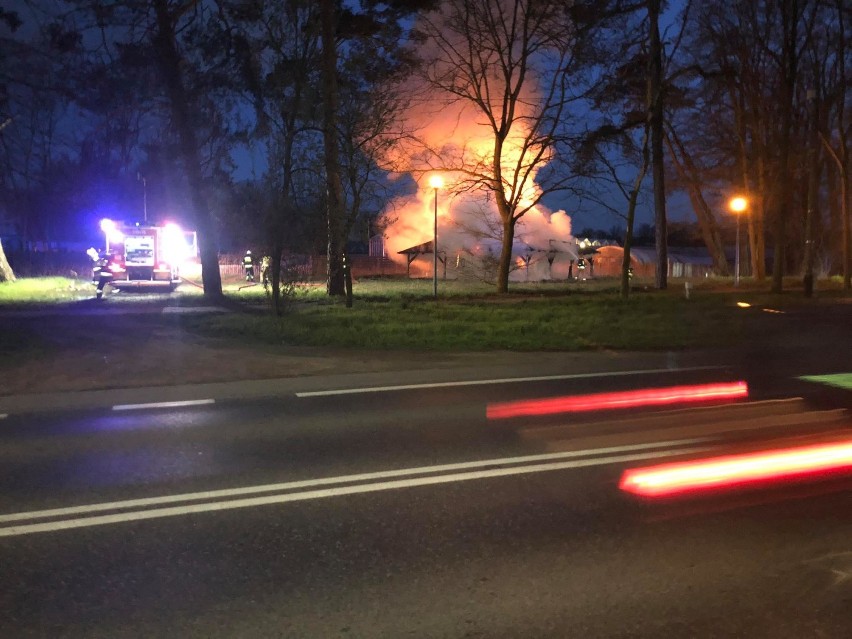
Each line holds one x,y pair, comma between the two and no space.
521,322
41,290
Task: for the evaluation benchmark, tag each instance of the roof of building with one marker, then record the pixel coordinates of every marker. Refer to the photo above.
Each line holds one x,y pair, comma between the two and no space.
518,248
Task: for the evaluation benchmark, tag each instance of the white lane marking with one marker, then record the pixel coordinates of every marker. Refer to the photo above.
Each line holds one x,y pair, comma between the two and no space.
504,380
193,309
174,511
343,479
4,415
189,402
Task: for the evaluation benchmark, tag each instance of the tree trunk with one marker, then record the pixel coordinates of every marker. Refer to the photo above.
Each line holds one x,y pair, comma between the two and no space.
347,279
754,217
631,217
655,95
505,264
6,272
789,57
846,210
334,189
757,224
170,63
275,272
810,211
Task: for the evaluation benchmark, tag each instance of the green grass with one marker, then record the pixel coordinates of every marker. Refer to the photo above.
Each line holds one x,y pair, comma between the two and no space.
400,314
522,321
37,290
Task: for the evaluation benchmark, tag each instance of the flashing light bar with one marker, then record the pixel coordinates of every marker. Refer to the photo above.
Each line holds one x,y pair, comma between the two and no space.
737,470
621,399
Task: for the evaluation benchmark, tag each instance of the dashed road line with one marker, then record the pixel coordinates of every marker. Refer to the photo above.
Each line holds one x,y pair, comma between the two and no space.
193,309
179,404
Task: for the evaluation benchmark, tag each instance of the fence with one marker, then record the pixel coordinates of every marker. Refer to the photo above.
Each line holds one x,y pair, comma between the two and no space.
313,267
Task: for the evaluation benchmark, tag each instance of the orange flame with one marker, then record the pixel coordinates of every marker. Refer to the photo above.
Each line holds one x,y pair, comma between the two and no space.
466,211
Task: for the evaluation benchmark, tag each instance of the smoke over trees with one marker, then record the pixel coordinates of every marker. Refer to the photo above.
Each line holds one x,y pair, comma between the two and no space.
519,65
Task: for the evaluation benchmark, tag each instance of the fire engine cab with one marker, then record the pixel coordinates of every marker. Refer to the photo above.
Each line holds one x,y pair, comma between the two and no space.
143,255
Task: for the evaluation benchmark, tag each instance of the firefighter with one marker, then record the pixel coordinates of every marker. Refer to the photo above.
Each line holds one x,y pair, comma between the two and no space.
101,273
248,264
264,270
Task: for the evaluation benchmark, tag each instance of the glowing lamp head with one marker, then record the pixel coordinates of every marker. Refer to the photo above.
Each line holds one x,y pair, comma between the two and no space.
436,182
738,204
107,225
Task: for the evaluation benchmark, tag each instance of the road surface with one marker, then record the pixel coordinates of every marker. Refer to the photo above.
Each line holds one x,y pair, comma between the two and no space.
380,511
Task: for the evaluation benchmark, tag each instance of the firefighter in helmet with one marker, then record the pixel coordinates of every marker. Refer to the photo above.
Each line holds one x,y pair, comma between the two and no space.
101,273
248,265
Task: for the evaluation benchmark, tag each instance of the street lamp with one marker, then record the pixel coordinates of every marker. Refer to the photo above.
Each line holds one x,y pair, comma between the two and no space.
737,205
436,182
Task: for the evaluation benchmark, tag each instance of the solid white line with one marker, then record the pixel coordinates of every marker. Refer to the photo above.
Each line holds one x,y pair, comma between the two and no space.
504,380
189,402
174,511
325,481
193,309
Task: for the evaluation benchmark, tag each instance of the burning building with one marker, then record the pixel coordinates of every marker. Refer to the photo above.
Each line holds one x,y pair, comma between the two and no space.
468,224
468,247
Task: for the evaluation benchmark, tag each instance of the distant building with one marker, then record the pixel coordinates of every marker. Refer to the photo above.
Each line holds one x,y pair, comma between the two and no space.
479,259
687,262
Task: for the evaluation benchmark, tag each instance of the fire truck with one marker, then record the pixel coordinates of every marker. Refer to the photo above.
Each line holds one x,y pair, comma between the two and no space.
140,256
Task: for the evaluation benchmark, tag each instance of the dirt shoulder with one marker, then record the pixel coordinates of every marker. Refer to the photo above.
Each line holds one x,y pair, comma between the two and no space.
53,353
71,353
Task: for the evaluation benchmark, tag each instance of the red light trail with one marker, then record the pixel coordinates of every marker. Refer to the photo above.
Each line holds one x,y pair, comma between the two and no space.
614,400
737,470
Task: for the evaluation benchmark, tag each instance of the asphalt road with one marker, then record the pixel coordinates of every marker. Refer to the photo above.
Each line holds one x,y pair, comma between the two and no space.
408,512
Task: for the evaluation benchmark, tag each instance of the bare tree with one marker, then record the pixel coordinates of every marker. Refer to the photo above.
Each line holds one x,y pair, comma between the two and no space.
334,185
600,154
276,53
171,61
517,64
655,117
837,131
746,117
690,177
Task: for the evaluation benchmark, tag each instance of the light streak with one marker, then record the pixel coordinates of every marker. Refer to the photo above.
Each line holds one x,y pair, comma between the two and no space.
620,399
737,470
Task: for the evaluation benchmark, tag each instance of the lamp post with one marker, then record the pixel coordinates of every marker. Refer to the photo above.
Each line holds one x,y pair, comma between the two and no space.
737,205
436,182
141,178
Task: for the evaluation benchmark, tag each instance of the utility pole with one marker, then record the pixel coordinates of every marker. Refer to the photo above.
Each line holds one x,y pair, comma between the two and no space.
141,178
